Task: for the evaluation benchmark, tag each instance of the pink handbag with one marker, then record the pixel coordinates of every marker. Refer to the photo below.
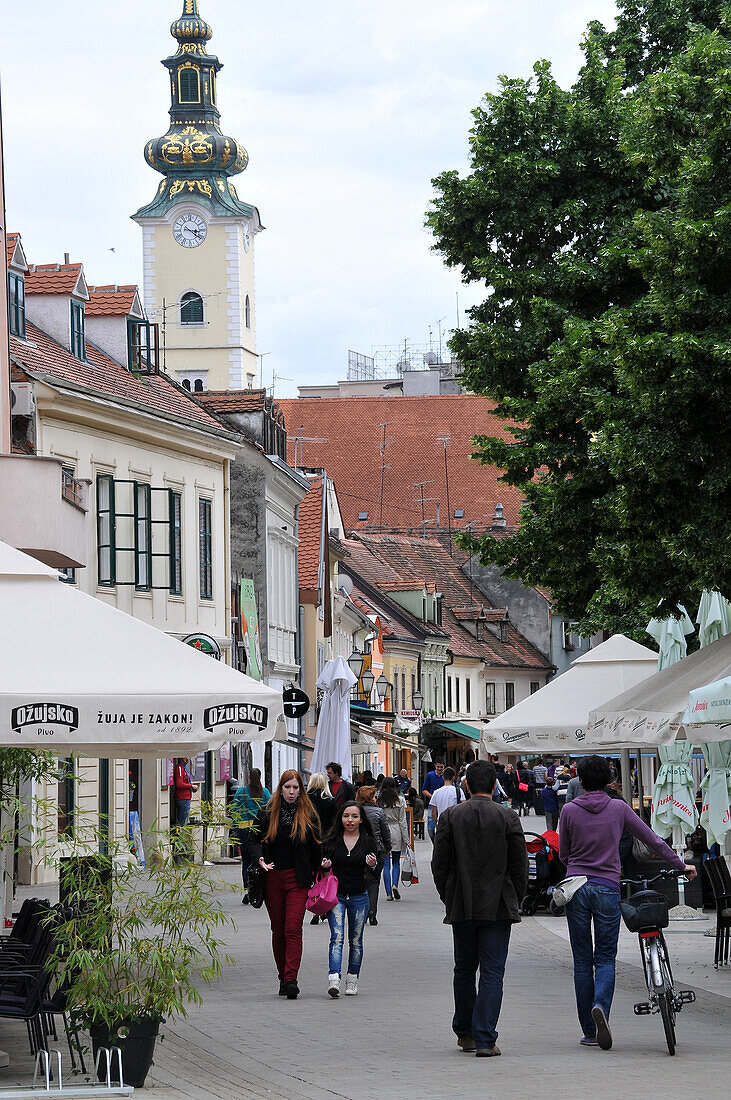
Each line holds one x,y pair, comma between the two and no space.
323,894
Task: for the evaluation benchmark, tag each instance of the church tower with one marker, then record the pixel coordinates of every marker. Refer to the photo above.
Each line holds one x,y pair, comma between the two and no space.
197,235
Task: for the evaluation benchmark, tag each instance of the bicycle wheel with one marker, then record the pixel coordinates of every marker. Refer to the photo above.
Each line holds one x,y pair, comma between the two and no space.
667,1011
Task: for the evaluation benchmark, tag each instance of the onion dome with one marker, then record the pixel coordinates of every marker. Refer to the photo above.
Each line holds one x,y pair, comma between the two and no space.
195,156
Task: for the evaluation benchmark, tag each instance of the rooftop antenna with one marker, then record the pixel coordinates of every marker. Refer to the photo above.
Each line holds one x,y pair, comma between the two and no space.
420,485
299,440
472,592
445,440
439,325
384,466
457,296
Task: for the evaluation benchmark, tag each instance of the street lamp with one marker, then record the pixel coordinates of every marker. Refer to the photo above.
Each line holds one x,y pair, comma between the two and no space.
417,699
382,686
367,680
355,662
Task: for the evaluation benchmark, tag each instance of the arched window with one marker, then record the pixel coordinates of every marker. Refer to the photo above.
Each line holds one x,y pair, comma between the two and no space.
191,309
247,312
186,384
198,385
189,90
213,86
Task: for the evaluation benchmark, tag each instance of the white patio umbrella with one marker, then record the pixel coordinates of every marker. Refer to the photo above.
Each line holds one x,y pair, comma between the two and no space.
77,675
332,741
670,634
673,802
555,718
713,618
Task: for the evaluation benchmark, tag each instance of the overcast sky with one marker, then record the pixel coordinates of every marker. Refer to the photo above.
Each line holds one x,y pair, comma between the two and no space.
347,111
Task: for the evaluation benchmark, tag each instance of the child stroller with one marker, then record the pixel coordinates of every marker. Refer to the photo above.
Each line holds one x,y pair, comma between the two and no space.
545,871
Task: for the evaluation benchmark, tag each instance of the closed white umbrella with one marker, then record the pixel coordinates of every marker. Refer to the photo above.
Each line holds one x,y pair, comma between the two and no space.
332,741
714,621
77,675
713,618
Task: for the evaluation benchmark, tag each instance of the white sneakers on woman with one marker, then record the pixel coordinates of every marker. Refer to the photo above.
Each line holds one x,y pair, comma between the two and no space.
351,985
333,986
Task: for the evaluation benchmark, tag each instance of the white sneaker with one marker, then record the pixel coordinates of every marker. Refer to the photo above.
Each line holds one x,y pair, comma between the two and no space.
333,985
351,985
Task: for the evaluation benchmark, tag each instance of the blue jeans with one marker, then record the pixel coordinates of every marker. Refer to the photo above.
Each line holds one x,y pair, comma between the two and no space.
391,870
182,811
482,943
431,825
593,961
357,909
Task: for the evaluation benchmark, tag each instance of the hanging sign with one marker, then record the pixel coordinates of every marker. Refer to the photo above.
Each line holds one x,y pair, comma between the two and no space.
296,702
205,644
250,629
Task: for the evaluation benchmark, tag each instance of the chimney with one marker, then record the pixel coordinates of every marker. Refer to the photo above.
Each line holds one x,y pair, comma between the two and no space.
66,257
498,519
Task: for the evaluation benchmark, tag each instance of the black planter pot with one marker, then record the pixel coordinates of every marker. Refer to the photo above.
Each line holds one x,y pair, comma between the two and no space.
136,1039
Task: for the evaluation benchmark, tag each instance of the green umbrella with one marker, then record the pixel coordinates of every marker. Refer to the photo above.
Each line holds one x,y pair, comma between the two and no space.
670,637
714,621
673,804
716,787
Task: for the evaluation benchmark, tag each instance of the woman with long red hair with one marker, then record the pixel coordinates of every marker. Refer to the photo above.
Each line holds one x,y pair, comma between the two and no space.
285,842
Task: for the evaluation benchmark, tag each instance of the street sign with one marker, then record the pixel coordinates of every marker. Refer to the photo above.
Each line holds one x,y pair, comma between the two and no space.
296,702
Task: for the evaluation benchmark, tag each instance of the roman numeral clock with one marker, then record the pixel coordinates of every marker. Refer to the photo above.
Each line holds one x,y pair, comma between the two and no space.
197,235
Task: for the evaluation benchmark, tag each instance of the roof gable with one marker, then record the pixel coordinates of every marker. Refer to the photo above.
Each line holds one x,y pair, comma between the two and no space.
57,279
14,252
114,301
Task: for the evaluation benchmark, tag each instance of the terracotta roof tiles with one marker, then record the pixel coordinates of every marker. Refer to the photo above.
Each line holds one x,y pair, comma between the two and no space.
352,430
52,278
233,400
42,356
11,239
110,301
310,536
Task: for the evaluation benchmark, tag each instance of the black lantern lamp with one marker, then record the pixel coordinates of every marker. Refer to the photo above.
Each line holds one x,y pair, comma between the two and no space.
355,662
367,681
382,686
417,699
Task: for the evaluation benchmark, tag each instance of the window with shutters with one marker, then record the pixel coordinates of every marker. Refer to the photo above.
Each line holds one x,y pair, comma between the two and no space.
467,690
191,308
509,695
449,694
456,694
105,530
176,544
142,536
205,548
189,88
78,339
489,698
16,304
534,686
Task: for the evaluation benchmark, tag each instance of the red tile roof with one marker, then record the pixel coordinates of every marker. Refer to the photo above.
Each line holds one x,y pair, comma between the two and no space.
52,278
233,400
41,356
352,428
110,301
310,536
375,557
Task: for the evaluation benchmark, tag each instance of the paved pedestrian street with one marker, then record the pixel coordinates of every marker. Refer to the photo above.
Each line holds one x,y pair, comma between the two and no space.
394,1039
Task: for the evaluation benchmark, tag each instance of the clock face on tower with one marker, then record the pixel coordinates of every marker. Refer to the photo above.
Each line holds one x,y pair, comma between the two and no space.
189,230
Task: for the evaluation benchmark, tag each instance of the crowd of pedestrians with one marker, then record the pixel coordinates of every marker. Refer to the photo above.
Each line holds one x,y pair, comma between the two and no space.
358,832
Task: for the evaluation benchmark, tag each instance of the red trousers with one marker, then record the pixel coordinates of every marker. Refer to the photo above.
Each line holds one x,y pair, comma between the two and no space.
285,902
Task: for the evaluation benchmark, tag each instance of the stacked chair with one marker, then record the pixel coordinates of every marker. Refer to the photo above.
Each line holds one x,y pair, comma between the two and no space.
720,878
26,976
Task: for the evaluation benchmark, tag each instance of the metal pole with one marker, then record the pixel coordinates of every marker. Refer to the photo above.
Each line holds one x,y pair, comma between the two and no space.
626,776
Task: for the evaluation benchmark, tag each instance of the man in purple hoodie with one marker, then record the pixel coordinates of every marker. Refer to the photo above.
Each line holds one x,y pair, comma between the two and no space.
591,826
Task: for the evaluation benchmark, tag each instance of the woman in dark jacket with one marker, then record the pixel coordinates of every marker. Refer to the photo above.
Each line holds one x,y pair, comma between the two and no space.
367,797
350,848
525,776
326,809
285,841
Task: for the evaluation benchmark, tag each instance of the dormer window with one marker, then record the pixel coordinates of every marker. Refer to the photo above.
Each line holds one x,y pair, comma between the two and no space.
78,339
503,632
189,86
16,304
191,309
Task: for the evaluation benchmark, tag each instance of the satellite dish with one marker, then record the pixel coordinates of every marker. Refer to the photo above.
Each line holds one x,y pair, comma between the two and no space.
431,358
345,584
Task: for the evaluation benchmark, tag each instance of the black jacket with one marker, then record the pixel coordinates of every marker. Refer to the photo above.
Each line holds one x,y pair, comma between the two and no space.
346,793
306,858
379,824
480,862
326,809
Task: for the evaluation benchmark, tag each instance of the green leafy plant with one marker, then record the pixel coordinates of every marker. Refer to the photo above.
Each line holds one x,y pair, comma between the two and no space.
138,943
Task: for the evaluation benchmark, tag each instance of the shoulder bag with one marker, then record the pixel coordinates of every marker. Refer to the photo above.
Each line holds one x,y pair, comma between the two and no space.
323,894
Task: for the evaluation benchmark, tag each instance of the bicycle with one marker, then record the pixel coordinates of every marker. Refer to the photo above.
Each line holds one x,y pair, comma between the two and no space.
646,913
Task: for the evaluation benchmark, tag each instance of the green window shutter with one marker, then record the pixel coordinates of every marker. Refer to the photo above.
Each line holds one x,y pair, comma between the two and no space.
176,544
16,304
142,535
78,341
105,528
205,548
189,86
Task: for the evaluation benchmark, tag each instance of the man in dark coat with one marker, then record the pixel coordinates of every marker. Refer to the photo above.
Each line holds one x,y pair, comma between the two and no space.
480,868
340,789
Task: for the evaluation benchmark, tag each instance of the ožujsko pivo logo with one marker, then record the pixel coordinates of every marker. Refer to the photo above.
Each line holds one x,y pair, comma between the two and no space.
44,714
235,714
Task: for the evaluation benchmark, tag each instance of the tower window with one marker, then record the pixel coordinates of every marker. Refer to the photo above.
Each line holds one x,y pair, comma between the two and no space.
247,312
213,86
189,88
198,385
191,309
186,384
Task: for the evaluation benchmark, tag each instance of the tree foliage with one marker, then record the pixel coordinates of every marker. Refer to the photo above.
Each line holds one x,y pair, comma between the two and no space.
599,220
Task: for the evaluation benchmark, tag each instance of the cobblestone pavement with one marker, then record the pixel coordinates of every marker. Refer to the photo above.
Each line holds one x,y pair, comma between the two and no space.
394,1039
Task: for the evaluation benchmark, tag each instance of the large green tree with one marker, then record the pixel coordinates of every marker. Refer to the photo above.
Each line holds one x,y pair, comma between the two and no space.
599,220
